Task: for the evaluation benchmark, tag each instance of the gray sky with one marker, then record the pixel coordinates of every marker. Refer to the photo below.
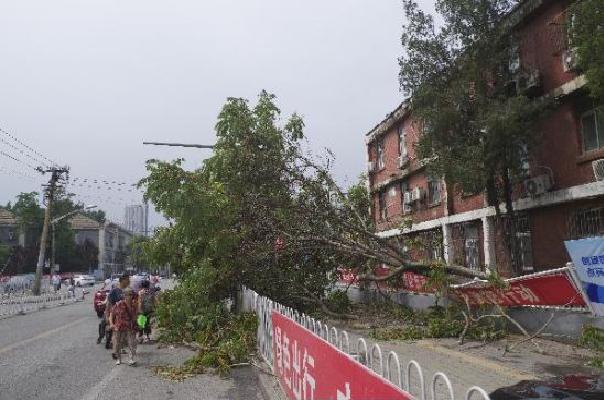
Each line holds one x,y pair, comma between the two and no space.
84,82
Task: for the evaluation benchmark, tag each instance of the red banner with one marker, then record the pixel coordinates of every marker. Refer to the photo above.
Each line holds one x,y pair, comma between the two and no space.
415,282
536,290
409,280
310,368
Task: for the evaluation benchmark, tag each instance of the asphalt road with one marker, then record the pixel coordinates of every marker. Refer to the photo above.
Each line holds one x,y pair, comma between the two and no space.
52,354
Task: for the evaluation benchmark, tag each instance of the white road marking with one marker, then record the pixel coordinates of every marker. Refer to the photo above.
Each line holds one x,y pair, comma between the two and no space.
42,335
96,390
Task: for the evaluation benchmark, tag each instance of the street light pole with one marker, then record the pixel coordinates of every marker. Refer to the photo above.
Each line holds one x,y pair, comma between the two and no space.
199,146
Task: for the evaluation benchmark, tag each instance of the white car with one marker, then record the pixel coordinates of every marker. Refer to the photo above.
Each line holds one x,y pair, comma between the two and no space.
84,280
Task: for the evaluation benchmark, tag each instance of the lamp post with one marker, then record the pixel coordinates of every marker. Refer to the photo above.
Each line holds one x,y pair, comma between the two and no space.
54,222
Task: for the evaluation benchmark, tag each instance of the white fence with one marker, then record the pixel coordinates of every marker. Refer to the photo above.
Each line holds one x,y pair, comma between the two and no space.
407,377
16,297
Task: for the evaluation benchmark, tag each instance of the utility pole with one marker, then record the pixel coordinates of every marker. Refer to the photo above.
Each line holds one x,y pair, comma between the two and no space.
56,174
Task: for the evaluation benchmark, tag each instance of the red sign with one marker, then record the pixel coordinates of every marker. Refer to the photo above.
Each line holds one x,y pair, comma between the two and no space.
408,281
309,368
415,282
536,290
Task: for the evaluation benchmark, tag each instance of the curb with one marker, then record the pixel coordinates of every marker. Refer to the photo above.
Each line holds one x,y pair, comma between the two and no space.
267,382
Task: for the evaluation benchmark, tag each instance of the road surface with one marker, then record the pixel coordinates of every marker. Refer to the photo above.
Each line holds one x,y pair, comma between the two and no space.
52,354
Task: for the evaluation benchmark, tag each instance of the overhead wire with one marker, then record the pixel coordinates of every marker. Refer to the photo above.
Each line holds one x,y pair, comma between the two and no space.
31,149
23,153
17,160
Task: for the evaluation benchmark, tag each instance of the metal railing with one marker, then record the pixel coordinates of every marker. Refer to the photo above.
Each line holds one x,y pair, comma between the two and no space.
16,298
389,367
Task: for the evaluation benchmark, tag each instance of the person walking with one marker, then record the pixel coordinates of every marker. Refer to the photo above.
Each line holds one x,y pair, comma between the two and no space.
122,320
71,289
56,281
146,306
114,296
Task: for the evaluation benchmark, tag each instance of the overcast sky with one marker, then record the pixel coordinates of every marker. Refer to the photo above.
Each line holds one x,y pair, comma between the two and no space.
84,82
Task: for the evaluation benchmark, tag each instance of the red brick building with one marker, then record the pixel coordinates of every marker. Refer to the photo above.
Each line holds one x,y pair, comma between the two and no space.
563,195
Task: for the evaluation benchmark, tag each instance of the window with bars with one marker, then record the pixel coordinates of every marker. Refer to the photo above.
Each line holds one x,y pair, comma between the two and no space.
592,129
432,245
383,205
402,145
380,153
524,243
404,189
434,191
586,223
472,247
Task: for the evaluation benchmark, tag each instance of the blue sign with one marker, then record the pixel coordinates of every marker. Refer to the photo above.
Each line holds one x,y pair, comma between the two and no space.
588,259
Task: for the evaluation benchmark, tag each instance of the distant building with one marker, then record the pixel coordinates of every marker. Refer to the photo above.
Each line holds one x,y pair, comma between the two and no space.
136,217
110,239
10,234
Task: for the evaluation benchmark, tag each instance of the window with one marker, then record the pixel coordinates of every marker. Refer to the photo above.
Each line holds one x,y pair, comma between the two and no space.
404,189
525,249
586,223
380,153
524,160
524,243
592,129
472,247
402,145
434,191
383,205
11,234
514,60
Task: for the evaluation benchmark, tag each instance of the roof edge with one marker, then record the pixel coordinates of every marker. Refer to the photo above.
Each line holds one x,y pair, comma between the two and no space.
387,123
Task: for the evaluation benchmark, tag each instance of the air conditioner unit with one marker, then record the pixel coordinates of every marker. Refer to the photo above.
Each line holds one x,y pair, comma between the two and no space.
598,166
408,197
538,185
569,59
403,161
528,81
371,166
416,193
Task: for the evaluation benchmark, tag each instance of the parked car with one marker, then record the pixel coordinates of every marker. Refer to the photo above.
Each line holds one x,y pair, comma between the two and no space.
84,280
571,387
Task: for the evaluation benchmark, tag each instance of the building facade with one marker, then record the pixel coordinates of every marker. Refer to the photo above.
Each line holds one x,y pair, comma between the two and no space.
136,217
111,240
10,234
561,198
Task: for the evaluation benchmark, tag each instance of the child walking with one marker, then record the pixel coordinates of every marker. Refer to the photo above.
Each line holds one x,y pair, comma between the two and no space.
122,320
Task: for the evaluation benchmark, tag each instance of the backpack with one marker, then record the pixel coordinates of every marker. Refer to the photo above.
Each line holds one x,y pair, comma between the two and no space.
147,301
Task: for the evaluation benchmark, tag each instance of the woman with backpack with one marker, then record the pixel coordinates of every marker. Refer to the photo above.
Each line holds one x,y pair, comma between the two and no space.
146,306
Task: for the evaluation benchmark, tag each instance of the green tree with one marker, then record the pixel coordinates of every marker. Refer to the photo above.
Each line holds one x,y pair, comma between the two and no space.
477,129
137,254
29,213
263,213
586,26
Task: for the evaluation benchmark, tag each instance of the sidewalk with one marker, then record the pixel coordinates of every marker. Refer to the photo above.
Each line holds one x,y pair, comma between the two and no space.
141,382
478,364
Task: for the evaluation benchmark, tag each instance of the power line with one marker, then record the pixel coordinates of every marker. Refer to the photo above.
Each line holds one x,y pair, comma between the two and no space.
104,181
18,160
28,147
21,151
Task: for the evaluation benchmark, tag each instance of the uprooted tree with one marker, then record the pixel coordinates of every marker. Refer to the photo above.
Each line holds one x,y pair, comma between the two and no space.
263,213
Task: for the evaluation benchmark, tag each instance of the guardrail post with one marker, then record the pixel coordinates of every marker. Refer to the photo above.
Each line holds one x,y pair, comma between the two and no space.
447,382
418,367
